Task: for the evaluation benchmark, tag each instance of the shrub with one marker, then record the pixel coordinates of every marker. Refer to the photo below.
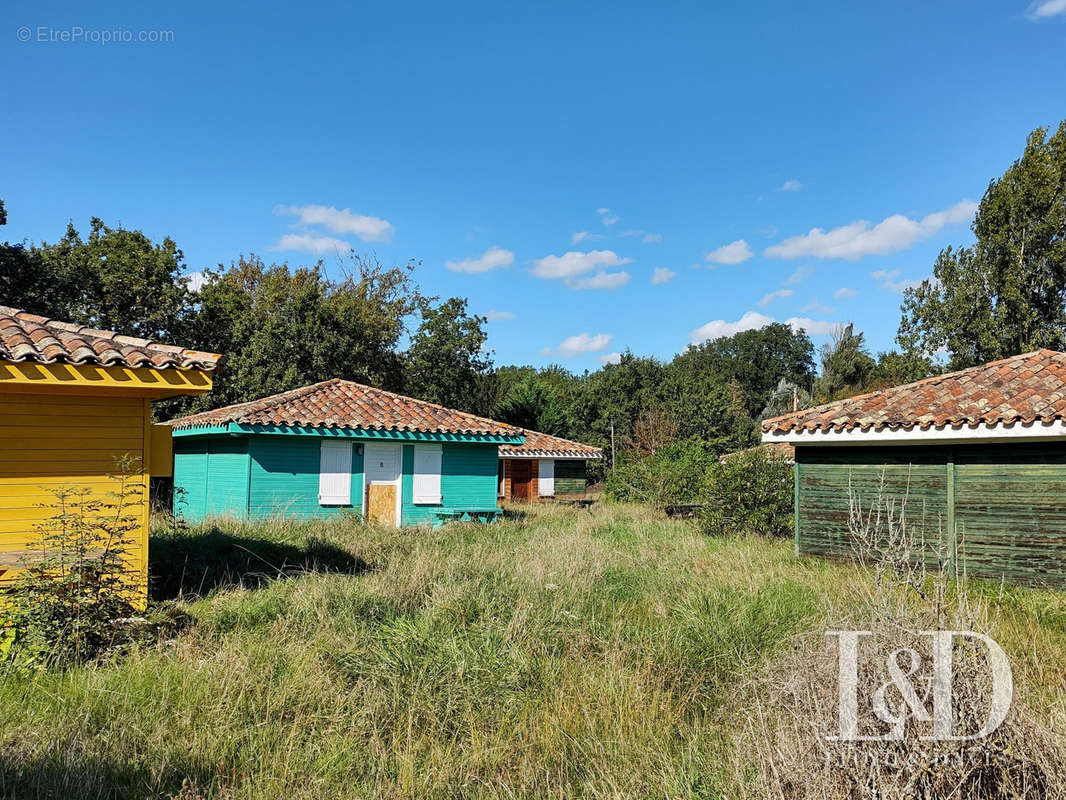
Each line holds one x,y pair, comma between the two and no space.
749,492
77,584
675,473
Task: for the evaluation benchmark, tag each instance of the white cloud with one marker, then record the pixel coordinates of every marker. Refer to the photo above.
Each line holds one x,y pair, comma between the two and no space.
732,253
494,316
752,320
844,293
580,236
311,243
574,263
860,239
195,281
814,327
369,229
601,280
645,236
1046,8
816,306
791,185
799,276
582,343
493,258
889,279
777,294
611,358
718,328
606,217
662,275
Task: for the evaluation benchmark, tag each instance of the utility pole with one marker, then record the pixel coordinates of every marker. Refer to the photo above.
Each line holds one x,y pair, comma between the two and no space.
612,445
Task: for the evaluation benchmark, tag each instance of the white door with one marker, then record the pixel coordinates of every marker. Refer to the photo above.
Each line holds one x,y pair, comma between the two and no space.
546,477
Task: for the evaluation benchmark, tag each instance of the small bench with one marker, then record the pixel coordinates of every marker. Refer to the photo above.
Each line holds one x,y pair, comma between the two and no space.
469,515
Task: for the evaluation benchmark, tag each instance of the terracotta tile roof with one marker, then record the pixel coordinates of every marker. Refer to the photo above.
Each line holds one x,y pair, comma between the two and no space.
26,337
344,404
550,446
1025,388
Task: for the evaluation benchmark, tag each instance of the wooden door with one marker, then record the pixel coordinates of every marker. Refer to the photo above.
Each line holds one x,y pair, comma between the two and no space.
381,464
521,478
381,504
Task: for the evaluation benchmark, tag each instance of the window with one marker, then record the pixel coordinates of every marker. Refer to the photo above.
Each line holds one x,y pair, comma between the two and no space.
335,474
546,477
427,474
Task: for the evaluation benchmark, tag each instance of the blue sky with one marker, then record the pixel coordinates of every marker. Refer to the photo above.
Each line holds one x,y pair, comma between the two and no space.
594,176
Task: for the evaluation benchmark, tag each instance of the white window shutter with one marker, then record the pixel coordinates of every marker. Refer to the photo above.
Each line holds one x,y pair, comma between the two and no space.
546,477
335,474
427,474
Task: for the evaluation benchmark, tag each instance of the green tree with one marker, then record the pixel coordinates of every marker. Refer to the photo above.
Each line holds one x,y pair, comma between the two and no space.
529,404
282,328
846,366
118,279
446,362
1005,294
757,360
894,368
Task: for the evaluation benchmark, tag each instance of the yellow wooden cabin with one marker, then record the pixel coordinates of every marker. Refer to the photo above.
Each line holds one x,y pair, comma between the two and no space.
73,402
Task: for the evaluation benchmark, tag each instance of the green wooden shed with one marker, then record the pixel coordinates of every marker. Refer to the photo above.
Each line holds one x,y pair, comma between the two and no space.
336,447
975,459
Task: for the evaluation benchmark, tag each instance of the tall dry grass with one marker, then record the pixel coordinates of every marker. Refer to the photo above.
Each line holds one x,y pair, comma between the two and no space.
564,654
913,585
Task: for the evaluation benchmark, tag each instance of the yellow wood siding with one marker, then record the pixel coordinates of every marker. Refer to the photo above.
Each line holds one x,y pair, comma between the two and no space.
52,442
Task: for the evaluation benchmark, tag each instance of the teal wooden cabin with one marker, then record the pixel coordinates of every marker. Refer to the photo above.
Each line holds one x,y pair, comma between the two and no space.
975,461
333,448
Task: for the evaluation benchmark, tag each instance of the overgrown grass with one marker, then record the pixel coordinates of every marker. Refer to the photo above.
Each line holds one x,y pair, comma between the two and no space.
567,654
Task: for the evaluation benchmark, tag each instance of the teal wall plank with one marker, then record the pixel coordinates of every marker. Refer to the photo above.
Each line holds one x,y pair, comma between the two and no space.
265,476
284,479
210,477
190,479
468,482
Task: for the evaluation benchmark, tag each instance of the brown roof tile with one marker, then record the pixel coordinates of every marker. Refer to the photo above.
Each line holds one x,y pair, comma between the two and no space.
26,337
542,443
1024,388
344,404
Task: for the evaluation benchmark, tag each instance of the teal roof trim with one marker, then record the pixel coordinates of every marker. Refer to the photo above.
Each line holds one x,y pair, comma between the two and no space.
237,429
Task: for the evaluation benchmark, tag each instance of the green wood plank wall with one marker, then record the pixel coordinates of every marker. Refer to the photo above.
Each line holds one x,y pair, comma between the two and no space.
1009,502
569,476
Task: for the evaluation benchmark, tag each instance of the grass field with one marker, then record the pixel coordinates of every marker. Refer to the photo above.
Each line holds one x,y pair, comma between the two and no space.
565,654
